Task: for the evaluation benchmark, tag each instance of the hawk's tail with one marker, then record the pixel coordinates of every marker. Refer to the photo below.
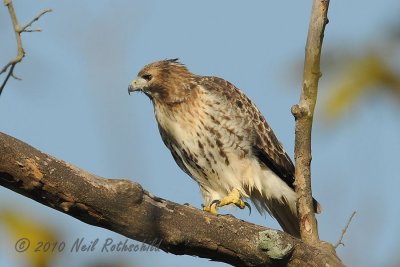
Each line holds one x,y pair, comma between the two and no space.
287,219
284,212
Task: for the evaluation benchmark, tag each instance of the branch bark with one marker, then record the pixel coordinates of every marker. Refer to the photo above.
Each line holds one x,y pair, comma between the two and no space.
18,29
126,208
303,113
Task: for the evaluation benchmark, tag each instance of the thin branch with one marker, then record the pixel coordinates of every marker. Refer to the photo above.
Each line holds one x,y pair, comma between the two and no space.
9,74
339,242
20,50
303,113
15,77
33,30
124,207
25,28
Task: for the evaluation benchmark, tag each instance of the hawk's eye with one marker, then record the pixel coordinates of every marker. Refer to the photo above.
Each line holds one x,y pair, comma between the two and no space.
147,77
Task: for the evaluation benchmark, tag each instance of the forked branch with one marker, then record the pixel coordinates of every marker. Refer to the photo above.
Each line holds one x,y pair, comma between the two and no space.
18,29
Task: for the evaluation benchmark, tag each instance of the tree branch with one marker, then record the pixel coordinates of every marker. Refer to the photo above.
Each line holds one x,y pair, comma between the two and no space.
303,113
124,207
20,50
339,242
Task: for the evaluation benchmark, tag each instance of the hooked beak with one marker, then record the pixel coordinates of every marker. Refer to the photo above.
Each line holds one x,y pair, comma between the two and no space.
136,85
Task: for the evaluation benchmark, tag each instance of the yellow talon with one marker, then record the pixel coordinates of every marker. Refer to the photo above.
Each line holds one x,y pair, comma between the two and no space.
212,208
233,197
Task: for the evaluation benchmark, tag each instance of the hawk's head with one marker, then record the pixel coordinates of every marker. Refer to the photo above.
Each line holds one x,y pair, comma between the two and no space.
165,81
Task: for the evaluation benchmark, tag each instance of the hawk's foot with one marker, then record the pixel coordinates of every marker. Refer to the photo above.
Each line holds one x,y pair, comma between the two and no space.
232,198
212,208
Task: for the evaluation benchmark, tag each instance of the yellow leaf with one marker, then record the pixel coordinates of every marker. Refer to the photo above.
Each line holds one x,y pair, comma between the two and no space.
28,236
360,77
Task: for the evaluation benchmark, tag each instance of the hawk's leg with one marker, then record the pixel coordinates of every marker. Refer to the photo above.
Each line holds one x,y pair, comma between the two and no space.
233,197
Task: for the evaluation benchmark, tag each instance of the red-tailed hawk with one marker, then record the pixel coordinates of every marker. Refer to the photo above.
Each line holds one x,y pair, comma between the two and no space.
219,138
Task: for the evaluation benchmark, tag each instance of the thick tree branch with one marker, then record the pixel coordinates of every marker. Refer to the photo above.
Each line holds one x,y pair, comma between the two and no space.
303,113
18,29
124,207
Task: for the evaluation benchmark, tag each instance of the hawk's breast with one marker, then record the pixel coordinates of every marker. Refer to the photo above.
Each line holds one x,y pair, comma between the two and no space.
206,138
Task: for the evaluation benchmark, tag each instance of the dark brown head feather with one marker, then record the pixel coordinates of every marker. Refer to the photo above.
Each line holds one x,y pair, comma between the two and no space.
176,60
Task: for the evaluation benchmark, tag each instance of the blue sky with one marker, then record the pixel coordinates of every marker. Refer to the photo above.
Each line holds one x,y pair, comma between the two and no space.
73,103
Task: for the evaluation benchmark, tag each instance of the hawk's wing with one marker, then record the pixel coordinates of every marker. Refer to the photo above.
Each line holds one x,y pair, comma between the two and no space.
270,151
171,144
263,141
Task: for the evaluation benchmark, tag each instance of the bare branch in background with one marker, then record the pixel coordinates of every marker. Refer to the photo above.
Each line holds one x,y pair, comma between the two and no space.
303,113
339,242
124,207
18,29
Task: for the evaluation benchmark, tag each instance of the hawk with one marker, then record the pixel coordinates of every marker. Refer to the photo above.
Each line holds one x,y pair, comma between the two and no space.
219,138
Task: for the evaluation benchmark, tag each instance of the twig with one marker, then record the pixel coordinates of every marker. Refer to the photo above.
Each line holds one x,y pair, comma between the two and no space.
9,74
339,242
24,29
303,113
20,50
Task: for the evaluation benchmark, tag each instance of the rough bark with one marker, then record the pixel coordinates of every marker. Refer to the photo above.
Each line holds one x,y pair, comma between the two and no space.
126,208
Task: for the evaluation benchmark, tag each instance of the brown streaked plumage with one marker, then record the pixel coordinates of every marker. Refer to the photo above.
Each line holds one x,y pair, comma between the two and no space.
220,139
